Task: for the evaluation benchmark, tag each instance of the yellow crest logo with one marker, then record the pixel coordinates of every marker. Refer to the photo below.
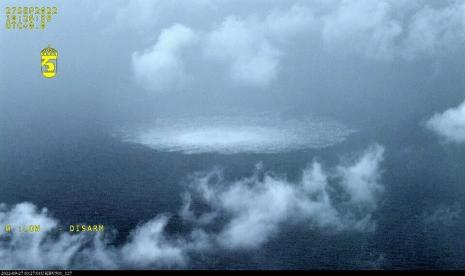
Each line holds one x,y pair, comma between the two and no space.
49,57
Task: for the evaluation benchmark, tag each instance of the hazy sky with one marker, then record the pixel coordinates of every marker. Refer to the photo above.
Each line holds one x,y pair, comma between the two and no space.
131,60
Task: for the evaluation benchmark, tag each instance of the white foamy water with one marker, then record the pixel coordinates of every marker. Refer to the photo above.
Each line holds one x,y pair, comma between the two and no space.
230,135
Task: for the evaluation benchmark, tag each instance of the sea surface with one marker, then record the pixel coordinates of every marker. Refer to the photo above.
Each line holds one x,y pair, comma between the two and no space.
91,176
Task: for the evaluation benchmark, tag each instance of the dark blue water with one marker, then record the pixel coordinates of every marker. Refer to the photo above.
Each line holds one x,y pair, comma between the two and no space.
90,177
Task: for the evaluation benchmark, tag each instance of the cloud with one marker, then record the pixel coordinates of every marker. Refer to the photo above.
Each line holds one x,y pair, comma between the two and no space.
394,29
161,68
50,248
250,46
363,27
252,59
450,124
361,180
258,206
23,250
148,245
237,215
434,32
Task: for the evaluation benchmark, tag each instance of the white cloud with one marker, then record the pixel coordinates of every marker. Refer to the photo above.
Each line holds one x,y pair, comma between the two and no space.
450,124
434,32
148,245
394,29
33,250
250,46
246,213
388,29
161,68
257,206
253,60
364,27
361,180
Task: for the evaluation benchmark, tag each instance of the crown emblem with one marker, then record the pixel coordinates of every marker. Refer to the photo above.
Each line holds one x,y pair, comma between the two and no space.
49,57
49,51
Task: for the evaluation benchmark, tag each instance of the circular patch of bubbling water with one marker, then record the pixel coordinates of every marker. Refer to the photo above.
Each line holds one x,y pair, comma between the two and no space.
243,134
